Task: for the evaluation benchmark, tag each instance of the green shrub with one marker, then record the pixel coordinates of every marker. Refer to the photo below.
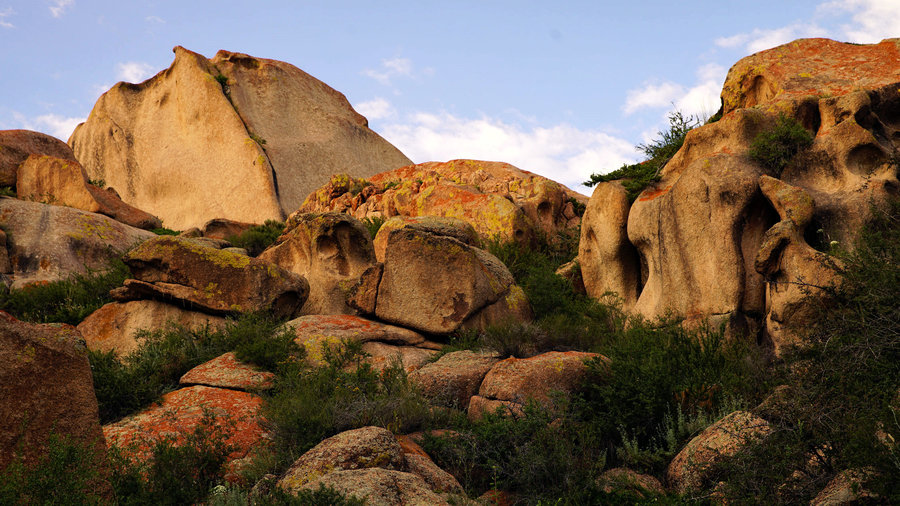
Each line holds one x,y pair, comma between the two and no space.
322,496
67,301
126,385
310,404
222,79
259,237
656,371
373,224
636,177
8,191
775,148
67,473
164,231
99,183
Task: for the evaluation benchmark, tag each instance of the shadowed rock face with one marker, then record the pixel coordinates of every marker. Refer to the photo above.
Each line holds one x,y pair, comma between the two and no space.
233,137
688,245
16,145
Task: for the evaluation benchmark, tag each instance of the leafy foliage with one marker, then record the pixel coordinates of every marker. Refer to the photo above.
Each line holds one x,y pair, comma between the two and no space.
636,177
373,224
775,148
66,301
126,385
164,231
258,237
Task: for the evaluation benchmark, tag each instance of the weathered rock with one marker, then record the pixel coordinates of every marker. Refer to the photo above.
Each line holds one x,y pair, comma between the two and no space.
792,269
364,294
181,412
621,479
514,381
512,307
699,229
499,200
233,137
17,145
61,182
386,344
220,228
354,449
419,463
46,387
795,71
380,486
846,488
450,227
5,266
114,325
49,243
454,378
571,272
611,262
226,371
434,283
216,281
331,251
721,440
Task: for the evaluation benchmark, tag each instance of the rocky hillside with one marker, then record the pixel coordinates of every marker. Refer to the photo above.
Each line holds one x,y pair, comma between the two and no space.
461,332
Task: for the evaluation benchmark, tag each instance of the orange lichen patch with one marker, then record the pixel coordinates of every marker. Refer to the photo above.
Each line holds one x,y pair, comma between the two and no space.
226,371
651,194
181,412
808,68
409,446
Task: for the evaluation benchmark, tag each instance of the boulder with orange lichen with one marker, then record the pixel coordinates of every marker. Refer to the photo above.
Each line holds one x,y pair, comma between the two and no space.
498,199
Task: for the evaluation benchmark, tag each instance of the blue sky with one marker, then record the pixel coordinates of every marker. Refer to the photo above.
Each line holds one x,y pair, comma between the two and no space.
562,89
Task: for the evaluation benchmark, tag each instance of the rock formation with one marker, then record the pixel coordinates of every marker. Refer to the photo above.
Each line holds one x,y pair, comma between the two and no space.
498,199
233,137
50,243
688,246
17,145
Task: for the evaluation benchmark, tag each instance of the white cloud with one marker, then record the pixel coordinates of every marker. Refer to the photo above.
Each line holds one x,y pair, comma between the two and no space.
560,152
5,13
873,20
59,6
134,72
58,126
154,19
702,99
378,108
652,96
395,67
760,39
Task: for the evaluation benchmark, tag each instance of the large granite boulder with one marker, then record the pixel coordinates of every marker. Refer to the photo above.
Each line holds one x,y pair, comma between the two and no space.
331,251
698,231
436,283
233,137
114,326
512,383
49,243
226,371
46,387
498,199
385,345
17,145
212,280
454,378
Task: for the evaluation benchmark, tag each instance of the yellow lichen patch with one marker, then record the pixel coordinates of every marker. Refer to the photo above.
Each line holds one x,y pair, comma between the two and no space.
516,297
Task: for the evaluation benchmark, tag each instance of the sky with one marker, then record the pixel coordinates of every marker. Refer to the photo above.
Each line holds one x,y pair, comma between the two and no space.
563,89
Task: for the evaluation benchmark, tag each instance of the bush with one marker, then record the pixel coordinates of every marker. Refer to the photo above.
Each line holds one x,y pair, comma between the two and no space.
310,404
258,237
636,177
126,385
67,473
67,301
373,224
164,231
775,148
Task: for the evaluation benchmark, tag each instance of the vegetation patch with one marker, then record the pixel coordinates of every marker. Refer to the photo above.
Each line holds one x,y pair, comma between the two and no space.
373,224
66,301
164,231
635,177
258,237
775,148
